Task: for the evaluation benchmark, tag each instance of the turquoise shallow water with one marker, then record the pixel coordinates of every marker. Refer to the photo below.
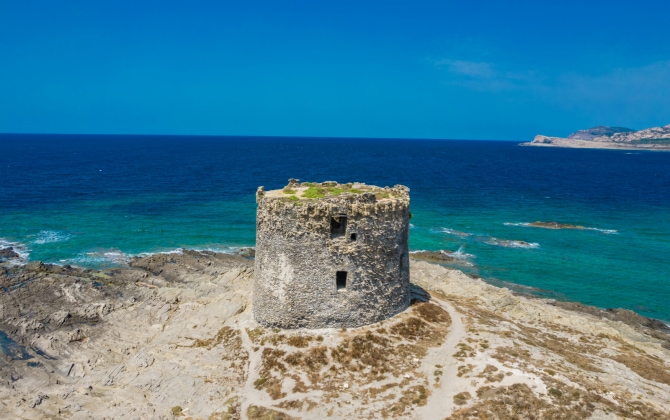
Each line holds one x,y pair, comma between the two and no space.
94,201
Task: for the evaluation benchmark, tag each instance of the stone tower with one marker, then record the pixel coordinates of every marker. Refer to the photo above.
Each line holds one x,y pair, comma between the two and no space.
331,255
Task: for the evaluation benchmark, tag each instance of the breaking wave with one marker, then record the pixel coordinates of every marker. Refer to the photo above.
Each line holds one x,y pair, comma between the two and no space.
459,254
115,258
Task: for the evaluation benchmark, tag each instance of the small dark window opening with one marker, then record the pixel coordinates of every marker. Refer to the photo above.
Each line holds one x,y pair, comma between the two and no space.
353,236
338,226
341,279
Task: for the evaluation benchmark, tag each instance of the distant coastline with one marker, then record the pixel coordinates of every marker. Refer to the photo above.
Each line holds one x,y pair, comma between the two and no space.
656,138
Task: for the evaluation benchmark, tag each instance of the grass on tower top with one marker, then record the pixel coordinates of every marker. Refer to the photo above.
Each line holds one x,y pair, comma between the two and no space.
318,191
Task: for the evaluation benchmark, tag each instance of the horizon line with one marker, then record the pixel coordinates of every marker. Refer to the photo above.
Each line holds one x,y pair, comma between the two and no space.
254,136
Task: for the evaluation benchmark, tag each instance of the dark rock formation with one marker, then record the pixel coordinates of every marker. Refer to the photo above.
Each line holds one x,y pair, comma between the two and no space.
436,256
8,254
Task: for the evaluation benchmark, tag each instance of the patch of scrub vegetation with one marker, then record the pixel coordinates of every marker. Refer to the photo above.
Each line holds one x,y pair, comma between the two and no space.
231,413
383,359
645,366
225,335
462,398
315,191
553,358
519,401
464,351
289,191
261,413
416,395
231,341
490,374
261,336
432,313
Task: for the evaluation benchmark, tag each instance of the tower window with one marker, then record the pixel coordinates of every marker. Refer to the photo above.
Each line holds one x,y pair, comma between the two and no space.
341,280
354,236
338,226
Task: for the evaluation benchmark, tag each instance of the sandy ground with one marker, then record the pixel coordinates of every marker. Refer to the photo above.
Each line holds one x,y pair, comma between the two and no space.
173,337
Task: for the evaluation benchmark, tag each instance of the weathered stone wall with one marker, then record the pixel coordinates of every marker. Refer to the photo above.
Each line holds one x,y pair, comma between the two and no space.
297,260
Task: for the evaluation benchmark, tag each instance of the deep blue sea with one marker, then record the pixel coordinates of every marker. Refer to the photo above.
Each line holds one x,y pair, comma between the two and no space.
94,201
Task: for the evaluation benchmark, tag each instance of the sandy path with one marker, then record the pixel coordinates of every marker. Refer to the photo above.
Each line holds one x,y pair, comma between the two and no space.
441,402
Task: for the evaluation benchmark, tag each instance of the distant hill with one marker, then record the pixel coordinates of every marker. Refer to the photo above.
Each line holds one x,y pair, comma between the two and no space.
591,133
601,137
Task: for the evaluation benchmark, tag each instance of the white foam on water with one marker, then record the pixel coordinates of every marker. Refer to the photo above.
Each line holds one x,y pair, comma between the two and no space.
148,254
104,257
117,257
50,236
516,224
223,249
512,243
459,254
22,250
605,231
456,233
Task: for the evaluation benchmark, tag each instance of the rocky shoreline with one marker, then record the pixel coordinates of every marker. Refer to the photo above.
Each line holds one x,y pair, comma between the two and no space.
172,336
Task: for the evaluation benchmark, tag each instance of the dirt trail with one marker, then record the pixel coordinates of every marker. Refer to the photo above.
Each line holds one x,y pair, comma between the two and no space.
441,358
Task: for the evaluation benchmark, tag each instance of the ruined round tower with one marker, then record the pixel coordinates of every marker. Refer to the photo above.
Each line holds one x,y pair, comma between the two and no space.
331,255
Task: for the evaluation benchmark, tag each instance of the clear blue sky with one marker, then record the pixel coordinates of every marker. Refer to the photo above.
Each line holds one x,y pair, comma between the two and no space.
419,69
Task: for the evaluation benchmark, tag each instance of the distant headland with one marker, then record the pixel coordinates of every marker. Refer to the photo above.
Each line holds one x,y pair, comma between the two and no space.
656,138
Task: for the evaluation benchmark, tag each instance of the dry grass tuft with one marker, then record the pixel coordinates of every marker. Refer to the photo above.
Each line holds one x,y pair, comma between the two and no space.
261,413
232,412
464,351
255,334
416,395
432,313
313,359
291,404
299,341
225,334
462,398
410,329
646,367
365,350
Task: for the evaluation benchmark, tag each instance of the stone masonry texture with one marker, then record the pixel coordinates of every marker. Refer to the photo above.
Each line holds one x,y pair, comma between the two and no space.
338,260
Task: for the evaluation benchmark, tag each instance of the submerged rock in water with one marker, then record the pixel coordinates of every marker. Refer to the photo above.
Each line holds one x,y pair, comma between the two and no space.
554,225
